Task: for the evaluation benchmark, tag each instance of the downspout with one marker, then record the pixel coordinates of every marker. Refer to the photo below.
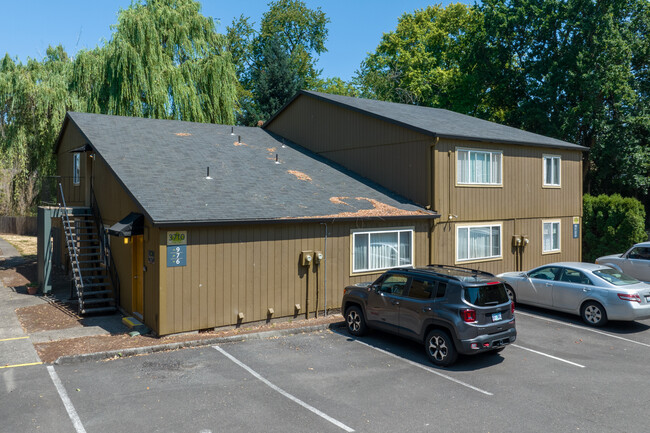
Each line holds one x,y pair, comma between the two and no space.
431,191
325,271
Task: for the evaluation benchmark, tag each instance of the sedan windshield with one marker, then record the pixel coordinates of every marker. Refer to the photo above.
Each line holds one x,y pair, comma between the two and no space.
615,277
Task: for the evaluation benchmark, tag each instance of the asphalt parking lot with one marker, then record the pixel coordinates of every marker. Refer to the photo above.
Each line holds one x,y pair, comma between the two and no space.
559,376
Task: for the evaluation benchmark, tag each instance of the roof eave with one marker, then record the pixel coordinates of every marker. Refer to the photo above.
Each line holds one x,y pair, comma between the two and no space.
197,223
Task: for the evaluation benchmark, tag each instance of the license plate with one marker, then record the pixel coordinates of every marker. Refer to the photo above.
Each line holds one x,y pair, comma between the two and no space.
496,317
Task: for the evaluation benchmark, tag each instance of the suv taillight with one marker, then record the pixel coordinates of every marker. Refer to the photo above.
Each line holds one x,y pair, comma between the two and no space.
630,297
512,307
468,316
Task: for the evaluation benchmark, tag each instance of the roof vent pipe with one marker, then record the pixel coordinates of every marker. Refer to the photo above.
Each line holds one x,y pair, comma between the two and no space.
239,139
276,159
207,175
232,130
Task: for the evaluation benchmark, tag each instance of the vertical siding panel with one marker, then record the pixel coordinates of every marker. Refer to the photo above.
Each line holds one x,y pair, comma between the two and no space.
211,277
203,279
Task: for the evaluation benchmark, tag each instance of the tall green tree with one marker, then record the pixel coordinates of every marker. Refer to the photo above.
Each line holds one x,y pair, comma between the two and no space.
429,59
274,83
288,25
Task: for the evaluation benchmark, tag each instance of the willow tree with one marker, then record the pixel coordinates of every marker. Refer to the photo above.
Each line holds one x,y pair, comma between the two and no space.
164,60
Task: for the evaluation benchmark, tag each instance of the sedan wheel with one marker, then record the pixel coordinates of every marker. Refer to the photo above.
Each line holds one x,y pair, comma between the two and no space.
511,293
440,348
355,321
593,314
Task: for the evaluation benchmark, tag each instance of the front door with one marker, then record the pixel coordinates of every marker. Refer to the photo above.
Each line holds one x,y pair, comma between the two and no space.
137,272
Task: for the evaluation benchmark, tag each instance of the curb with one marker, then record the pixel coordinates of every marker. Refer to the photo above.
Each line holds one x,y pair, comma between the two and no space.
100,356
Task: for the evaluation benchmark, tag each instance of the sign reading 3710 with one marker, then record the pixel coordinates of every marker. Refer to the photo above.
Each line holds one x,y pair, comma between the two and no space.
177,238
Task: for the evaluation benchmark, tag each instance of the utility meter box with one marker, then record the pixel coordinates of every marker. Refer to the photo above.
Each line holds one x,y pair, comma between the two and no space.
318,257
516,241
306,258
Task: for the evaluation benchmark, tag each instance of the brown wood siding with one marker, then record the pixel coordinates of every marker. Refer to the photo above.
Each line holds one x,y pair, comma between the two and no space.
521,194
249,269
444,238
390,155
75,195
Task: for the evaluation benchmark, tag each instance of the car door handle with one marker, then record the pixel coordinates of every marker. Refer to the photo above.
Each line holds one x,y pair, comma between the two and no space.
584,289
426,309
549,284
394,302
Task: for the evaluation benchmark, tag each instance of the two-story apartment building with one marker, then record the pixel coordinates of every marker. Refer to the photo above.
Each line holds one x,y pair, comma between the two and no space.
213,225
508,199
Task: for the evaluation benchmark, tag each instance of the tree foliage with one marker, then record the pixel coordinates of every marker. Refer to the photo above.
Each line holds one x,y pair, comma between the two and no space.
290,26
164,60
611,223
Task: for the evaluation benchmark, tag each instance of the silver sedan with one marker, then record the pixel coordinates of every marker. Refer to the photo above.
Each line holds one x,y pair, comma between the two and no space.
595,292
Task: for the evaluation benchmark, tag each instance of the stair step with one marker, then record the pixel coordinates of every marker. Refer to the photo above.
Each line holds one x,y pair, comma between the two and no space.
96,292
92,269
97,300
93,277
82,262
98,310
96,285
89,247
87,254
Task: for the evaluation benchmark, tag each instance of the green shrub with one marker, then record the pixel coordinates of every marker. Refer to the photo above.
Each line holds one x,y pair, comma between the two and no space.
611,225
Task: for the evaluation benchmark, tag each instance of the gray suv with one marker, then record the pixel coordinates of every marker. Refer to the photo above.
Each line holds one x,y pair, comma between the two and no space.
450,309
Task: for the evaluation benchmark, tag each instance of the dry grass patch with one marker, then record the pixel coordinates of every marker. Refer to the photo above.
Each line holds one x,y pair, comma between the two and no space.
26,245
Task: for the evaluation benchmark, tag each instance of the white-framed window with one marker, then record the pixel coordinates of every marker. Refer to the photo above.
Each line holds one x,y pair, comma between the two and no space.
552,170
478,167
373,250
76,168
550,236
477,242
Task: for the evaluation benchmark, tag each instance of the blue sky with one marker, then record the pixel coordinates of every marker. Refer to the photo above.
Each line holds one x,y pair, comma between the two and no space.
356,26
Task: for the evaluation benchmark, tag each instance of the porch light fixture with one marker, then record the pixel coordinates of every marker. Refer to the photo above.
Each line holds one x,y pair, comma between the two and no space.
126,241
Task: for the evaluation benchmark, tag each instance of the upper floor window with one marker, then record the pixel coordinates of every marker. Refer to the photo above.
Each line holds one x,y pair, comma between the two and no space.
76,168
550,236
381,249
479,167
552,170
478,242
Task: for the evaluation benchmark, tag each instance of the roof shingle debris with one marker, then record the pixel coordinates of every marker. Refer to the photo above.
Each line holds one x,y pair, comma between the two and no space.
168,182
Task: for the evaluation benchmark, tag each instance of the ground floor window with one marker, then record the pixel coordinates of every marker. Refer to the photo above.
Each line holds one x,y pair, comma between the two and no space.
477,242
381,249
550,236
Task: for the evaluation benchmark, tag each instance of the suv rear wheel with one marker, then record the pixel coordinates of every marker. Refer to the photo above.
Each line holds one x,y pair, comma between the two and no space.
440,348
355,321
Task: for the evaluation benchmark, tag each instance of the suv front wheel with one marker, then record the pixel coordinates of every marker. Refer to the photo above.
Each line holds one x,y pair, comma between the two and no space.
440,348
355,321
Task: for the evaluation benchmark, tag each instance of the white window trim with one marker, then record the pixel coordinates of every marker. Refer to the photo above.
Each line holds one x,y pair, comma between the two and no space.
559,237
411,230
76,168
491,152
479,225
559,174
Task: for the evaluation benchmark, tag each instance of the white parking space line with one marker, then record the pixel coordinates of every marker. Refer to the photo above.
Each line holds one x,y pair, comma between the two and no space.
584,328
72,413
429,369
283,392
547,355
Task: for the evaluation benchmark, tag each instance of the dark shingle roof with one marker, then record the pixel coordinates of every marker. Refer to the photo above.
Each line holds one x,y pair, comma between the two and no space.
162,163
441,123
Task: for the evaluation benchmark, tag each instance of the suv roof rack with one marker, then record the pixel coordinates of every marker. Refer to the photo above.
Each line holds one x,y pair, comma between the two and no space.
454,271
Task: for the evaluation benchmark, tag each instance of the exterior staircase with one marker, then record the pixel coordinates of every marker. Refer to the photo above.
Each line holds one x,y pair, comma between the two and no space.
90,274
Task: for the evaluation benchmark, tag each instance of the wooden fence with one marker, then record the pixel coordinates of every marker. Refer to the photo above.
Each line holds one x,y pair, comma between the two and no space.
18,225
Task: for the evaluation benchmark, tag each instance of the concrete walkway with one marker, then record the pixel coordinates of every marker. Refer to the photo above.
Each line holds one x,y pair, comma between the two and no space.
16,347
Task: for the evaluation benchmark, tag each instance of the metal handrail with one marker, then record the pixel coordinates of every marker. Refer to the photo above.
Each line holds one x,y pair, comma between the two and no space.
73,253
104,247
